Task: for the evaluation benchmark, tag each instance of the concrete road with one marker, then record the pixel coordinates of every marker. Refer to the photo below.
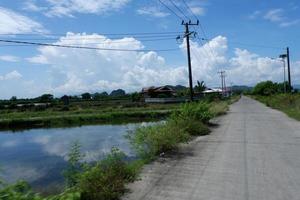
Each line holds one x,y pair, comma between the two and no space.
254,154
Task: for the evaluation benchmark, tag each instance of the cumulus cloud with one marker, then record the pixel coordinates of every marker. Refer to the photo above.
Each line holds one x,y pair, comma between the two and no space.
12,22
10,76
58,8
9,58
74,70
152,11
277,16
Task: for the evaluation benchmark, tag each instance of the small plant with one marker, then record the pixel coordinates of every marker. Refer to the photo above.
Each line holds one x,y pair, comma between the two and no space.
75,167
106,180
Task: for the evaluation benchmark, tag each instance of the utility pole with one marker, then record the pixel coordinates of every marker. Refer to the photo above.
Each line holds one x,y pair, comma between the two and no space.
223,82
187,36
283,57
289,68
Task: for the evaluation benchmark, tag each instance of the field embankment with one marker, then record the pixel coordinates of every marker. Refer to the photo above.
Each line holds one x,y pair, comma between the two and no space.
78,116
287,103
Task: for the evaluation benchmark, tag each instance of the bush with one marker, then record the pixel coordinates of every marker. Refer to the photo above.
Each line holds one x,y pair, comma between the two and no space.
19,191
192,127
193,111
150,141
107,179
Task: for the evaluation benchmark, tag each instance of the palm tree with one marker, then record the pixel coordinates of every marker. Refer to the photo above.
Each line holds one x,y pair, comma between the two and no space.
200,87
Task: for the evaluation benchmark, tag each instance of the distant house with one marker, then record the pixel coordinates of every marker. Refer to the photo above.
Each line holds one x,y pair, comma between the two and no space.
212,91
158,92
163,94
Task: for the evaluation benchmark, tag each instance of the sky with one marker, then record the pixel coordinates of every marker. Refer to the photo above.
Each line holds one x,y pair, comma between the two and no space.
242,37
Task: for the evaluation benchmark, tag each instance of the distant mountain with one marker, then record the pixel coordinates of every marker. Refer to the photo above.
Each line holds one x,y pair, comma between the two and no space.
177,87
241,88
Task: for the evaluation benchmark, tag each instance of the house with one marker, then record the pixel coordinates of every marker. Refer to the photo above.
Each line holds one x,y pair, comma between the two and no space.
158,92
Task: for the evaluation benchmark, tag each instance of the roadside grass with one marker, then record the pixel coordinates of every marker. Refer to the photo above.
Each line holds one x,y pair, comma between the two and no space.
287,103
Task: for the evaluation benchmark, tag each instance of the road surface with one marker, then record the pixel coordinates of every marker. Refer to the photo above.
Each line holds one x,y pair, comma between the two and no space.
254,154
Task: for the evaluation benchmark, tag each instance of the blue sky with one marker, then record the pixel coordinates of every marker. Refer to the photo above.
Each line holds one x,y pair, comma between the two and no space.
232,26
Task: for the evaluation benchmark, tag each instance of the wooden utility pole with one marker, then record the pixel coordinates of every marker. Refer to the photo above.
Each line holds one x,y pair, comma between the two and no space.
289,68
187,36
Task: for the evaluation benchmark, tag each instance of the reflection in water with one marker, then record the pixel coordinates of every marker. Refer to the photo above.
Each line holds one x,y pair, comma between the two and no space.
39,156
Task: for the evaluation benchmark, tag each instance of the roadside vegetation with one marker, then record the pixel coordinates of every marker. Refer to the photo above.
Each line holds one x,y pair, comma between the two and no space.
272,94
106,179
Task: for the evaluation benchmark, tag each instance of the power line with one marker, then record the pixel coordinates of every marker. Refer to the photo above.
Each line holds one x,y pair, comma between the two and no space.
189,9
172,11
91,38
84,47
179,10
107,42
64,34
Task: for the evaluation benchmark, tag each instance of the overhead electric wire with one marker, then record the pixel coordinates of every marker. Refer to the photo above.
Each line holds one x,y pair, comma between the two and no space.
64,34
179,10
91,38
170,9
84,47
109,42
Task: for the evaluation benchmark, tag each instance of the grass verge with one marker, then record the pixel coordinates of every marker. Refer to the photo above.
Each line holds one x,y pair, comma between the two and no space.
287,103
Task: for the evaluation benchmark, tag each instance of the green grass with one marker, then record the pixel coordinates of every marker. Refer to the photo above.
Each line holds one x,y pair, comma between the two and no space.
287,103
50,118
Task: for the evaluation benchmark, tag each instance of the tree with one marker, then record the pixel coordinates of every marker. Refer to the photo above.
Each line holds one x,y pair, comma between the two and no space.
86,96
265,88
118,92
46,98
13,98
98,96
200,87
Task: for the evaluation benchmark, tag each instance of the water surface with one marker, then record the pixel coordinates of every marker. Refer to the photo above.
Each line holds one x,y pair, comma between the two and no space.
39,155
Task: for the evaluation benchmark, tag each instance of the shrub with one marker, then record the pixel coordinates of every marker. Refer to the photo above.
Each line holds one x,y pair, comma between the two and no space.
19,191
150,141
193,111
75,167
107,179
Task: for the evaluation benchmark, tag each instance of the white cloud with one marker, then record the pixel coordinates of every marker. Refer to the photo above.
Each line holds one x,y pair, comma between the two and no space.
198,10
152,11
60,8
11,75
75,71
276,16
14,23
255,14
9,58
38,59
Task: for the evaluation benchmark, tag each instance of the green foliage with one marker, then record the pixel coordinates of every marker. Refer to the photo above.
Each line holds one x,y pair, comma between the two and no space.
288,103
200,87
183,123
150,141
19,191
106,180
75,167
267,88
46,98
86,96
193,111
